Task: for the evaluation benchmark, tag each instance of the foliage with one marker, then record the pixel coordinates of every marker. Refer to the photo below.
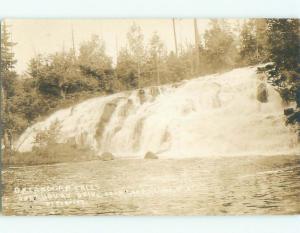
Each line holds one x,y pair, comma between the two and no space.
57,153
126,70
284,52
283,40
95,65
220,50
48,150
8,80
48,137
248,49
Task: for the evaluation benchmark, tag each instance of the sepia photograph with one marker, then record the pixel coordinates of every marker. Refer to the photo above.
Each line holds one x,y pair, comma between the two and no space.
151,117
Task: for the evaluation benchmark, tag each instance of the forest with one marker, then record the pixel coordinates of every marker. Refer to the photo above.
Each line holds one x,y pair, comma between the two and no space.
58,80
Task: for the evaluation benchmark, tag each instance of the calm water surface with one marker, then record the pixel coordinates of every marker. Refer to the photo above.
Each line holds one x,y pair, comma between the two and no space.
200,186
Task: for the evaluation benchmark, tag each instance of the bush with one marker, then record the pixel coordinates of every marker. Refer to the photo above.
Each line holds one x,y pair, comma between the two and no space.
48,150
58,153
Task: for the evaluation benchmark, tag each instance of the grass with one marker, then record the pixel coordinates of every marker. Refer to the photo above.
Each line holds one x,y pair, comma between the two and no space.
50,154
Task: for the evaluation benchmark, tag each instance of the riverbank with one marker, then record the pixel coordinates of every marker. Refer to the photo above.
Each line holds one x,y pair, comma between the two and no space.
53,154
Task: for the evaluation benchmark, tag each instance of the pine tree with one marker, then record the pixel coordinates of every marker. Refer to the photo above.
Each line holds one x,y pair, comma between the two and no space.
220,47
7,61
95,63
155,57
260,26
126,70
248,44
284,44
135,39
284,52
177,68
8,78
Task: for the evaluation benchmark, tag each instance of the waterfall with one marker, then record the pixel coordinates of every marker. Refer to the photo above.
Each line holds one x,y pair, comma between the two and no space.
228,114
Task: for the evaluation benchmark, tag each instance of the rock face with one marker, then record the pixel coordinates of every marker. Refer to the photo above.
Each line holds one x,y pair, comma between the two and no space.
150,155
142,96
262,93
288,111
294,118
154,91
108,111
106,156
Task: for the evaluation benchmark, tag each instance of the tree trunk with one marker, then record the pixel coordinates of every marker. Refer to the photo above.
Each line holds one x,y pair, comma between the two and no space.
157,71
62,93
4,112
139,74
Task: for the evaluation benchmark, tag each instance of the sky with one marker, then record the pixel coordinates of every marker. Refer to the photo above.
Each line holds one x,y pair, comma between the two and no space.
44,36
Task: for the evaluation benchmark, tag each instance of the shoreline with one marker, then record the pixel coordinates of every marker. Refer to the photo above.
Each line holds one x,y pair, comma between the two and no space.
218,157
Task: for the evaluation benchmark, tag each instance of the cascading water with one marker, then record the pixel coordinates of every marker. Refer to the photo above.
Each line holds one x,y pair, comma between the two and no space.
213,115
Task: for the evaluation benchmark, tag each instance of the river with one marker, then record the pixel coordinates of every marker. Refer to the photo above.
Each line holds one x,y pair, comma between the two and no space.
195,186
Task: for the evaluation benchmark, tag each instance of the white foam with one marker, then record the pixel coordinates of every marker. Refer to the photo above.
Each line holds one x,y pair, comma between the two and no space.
215,115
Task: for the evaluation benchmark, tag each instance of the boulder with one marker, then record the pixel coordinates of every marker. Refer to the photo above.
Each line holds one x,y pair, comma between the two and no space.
288,111
294,118
106,156
262,93
142,96
150,155
175,85
154,91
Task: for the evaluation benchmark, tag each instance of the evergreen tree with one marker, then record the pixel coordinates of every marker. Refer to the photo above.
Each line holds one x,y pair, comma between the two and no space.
8,79
284,44
95,63
284,51
7,61
248,44
260,26
126,70
176,68
155,60
220,49
135,39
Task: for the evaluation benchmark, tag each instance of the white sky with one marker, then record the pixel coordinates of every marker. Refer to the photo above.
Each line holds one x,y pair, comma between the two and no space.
44,36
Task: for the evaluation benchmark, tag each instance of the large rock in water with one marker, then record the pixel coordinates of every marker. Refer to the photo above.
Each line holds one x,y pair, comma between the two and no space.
150,155
142,96
106,156
262,93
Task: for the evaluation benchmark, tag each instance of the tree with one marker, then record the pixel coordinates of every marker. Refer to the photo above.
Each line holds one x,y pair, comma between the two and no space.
61,79
220,49
283,40
136,48
62,74
176,68
253,42
248,44
8,78
284,52
50,74
126,70
155,58
260,26
94,63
